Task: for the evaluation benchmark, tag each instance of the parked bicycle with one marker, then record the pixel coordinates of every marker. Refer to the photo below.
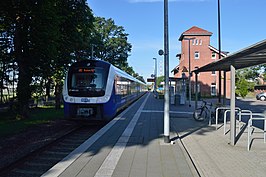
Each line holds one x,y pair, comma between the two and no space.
205,112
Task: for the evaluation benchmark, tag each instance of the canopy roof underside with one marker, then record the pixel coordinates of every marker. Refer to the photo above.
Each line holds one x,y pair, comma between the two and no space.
250,56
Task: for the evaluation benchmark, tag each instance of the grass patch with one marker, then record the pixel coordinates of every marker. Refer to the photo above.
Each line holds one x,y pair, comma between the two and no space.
9,125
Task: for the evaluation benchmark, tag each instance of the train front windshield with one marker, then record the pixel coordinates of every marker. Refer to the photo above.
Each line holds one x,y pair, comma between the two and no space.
87,82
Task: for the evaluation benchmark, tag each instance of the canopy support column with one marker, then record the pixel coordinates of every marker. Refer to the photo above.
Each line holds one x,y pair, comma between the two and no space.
196,90
224,98
232,107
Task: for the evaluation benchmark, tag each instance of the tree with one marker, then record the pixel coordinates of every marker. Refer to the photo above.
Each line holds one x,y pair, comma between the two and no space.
5,59
21,14
111,42
242,87
46,37
75,39
129,70
141,79
263,69
159,80
245,80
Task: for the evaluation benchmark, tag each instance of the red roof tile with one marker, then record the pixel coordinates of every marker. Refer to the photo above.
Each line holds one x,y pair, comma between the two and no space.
195,31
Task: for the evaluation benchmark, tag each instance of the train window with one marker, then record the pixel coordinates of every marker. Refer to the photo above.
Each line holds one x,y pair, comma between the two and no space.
87,82
123,86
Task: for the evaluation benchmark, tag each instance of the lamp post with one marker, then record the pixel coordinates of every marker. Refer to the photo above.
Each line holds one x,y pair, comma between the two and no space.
166,71
165,52
155,77
219,46
189,70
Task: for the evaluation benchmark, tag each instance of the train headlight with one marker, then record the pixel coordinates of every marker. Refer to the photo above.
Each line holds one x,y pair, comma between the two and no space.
102,99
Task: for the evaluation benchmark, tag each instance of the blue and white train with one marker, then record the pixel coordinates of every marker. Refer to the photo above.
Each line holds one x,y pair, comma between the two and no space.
97,90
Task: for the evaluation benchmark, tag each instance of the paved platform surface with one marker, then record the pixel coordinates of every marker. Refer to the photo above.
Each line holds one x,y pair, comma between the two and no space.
132,145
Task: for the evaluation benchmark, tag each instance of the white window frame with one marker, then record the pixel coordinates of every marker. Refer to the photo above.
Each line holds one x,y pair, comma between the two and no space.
214,57
213,88
198,88
198,55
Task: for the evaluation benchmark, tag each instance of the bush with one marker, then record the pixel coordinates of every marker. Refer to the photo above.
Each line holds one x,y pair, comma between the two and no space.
242,87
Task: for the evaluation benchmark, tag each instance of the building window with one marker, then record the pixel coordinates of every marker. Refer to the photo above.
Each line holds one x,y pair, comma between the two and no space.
213,55
213,73
197,42
193,42
197,55
200,42
213,89
198,88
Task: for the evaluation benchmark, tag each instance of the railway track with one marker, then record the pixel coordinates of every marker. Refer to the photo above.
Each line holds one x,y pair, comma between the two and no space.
42,159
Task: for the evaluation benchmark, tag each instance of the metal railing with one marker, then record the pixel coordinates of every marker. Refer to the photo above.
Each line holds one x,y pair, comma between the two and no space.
256,116
243,113
252,117
217,111
240,114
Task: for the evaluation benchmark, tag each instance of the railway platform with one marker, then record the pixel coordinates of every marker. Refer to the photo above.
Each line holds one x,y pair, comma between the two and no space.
132,145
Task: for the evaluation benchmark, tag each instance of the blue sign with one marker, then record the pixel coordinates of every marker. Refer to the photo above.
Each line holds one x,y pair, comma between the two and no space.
85,100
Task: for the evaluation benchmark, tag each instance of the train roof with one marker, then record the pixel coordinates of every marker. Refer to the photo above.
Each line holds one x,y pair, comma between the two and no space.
126,75
117,70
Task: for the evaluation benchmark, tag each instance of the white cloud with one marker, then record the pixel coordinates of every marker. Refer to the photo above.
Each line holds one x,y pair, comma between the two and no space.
152,1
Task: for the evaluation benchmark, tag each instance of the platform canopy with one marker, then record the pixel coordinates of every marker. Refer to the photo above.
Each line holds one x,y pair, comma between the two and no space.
250,56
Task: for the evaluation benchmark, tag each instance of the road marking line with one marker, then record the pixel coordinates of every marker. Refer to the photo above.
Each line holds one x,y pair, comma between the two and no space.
174,112
61,166
108,166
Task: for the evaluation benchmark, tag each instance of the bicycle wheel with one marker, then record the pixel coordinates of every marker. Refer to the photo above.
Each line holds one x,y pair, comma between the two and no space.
199,114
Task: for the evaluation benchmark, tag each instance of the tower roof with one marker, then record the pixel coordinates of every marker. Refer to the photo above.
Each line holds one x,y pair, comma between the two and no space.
195,31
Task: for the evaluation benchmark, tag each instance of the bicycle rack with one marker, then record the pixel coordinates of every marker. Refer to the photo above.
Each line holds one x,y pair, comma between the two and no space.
243,113
240,114
258,116
210,117
221,108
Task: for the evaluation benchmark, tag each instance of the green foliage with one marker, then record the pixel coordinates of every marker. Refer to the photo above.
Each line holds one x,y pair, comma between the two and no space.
263,68
112,44
10,125
242,87
46,36
159,80
40,39
246,80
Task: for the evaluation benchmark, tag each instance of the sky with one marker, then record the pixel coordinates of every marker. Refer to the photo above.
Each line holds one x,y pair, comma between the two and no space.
242,24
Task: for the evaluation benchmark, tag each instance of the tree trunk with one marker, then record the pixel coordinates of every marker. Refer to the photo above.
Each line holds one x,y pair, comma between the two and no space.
58,94
2,82
23,90
24,75
48,89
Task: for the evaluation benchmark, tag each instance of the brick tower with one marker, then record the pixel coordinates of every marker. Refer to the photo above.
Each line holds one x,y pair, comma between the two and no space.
197,40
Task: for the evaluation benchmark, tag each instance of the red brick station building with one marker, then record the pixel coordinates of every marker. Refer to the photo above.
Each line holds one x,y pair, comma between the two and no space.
197,41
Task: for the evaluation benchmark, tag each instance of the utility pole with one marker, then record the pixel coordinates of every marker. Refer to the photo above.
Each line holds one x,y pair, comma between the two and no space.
219,47
166,71
155,77
166,76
